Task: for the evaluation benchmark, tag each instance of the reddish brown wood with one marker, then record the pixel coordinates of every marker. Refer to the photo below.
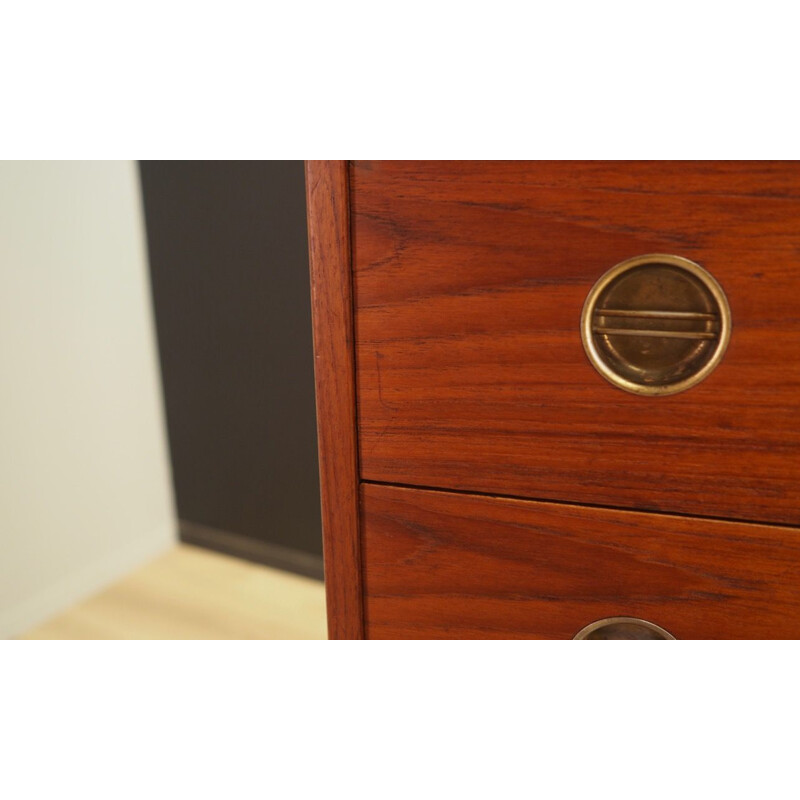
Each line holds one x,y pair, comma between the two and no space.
469,281
331,293
444,565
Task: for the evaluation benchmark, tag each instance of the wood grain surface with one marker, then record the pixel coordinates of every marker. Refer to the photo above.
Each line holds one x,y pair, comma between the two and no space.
332,315
469,281
446,565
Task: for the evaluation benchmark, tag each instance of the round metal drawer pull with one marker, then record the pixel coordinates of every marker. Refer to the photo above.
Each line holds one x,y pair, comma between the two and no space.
623,628
656,324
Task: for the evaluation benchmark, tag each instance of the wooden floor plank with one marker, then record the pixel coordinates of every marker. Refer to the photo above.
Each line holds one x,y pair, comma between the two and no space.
191,593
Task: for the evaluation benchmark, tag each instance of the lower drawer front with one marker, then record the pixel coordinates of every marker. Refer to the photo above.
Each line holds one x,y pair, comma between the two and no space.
445,565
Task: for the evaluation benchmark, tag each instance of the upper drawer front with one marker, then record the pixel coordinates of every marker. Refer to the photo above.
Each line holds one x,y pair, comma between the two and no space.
469,283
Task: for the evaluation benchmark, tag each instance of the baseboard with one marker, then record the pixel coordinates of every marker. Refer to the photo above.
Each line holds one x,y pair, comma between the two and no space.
81,584
234,544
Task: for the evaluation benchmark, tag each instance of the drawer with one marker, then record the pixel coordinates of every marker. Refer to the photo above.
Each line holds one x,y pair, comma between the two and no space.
469,282
447,565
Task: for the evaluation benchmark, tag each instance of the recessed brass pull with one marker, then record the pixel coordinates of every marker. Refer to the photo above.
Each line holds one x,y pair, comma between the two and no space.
623,628
656,324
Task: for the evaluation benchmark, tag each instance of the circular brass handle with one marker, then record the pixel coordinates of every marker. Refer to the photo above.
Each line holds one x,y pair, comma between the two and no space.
656,324
623,628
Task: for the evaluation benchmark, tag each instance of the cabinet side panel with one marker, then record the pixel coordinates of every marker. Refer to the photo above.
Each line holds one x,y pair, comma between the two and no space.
332,313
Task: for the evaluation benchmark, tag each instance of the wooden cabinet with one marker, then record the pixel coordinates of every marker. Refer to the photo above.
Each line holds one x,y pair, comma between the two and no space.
480,477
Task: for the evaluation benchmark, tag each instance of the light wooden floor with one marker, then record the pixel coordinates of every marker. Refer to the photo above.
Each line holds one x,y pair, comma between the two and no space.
191,593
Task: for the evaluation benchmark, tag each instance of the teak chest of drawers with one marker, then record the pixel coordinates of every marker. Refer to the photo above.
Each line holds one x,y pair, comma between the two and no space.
556,393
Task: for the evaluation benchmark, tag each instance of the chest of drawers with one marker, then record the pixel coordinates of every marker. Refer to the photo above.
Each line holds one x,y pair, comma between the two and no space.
556,393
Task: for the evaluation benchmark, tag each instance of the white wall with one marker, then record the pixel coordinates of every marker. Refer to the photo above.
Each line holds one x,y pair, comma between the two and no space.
85,487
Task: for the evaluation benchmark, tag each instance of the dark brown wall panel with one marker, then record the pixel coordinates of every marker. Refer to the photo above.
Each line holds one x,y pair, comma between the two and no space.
229,261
